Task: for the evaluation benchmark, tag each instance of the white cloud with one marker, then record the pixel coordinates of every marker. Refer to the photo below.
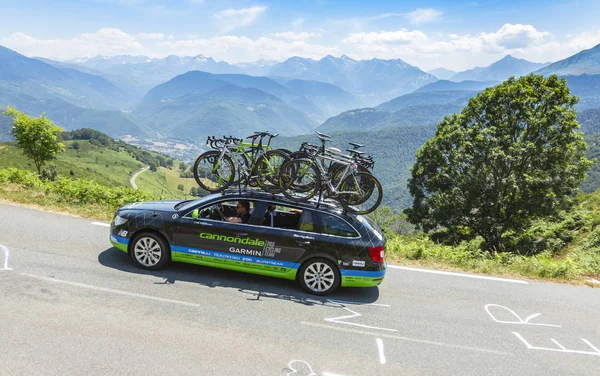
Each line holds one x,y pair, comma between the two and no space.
298,22
401,36
230,19
150,36
236,49
105,41
290,35
426,50
423,15
459,51
516,36
110,42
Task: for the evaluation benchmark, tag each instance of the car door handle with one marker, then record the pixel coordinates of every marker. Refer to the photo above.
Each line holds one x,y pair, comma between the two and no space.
240,234
302,242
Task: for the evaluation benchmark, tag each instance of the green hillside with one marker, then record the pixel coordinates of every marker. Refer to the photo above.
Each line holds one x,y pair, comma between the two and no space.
227,110
442,97
91,155
368,119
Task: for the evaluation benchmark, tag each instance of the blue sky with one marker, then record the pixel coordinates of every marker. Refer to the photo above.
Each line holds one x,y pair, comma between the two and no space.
430,34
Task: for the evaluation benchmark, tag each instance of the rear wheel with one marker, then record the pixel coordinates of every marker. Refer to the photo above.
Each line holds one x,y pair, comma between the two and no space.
214,174
319,276
150,251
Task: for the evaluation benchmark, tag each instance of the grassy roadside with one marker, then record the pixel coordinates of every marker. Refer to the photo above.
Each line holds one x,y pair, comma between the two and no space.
581,266
81,197
51,202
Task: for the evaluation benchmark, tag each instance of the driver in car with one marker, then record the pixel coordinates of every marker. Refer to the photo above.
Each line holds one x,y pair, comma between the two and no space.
243,213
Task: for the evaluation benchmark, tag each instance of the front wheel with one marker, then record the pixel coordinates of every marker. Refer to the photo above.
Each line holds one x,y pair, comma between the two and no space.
319,276
150,251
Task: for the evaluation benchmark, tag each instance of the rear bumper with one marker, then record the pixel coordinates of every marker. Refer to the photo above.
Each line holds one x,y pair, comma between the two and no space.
359,278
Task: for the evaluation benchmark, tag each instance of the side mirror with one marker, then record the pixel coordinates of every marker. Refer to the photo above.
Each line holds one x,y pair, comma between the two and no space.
195,214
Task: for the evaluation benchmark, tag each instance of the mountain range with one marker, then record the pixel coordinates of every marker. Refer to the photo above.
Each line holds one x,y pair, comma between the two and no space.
584,62
499,71
174,95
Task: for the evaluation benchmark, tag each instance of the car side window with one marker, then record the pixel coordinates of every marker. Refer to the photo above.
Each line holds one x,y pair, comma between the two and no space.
280,216
221,210
308,221
332,225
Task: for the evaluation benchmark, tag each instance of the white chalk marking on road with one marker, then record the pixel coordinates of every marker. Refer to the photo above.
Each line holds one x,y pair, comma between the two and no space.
474,276
295,371
354,314
6,254
101,224
393,336
561,348
521,321
357,303
380,347
104,289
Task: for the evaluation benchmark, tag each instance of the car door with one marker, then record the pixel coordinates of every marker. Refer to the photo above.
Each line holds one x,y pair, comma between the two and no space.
288,233
208,238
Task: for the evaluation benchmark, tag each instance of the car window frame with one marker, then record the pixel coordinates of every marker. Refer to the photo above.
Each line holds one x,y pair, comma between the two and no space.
263,208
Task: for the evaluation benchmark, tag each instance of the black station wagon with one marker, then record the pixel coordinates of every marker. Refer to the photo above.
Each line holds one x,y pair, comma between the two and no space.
320,246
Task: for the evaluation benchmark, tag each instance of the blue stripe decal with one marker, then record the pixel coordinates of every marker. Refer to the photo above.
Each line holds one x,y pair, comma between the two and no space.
362,273
234,257
119,239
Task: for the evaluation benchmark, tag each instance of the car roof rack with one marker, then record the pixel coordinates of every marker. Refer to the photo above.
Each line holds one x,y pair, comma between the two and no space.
311,203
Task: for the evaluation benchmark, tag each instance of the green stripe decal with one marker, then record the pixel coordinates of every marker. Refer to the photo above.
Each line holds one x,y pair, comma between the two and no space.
255,265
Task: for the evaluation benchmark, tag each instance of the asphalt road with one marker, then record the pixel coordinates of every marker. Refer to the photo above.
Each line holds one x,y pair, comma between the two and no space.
72,304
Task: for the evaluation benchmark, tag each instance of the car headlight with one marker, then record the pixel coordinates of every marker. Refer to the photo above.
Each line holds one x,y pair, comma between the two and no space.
118,221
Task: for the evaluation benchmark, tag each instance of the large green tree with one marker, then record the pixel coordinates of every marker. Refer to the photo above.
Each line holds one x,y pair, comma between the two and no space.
512,155
38,137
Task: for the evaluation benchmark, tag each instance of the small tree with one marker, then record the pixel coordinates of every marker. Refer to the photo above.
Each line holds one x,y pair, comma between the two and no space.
38,137
182,166
180,187
511,156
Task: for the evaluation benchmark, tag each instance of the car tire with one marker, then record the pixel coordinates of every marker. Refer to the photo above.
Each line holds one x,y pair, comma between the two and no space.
150,251
319,276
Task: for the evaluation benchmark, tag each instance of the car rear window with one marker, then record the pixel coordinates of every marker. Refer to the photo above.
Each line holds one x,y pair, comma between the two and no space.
370,225
332,225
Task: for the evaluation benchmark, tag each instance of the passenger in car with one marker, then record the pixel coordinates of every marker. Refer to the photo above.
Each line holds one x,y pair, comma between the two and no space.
243,213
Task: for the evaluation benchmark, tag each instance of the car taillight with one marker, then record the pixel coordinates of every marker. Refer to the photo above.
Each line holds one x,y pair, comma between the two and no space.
377,253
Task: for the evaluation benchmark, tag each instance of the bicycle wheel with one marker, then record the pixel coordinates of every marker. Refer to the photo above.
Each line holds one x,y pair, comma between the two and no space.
267,170
299,179
212,174
360,193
